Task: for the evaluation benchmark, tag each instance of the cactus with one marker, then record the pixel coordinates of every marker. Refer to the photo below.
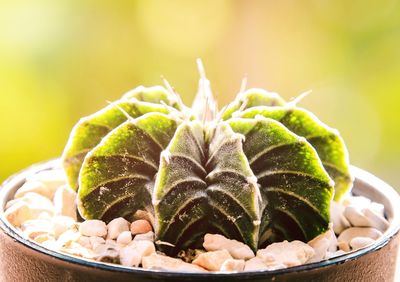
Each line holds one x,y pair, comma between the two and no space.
259,171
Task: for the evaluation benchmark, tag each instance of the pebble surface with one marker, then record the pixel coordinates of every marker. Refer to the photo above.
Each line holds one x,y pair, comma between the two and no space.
44,211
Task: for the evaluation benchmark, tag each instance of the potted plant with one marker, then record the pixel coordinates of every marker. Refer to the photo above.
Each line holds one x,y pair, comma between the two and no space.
258,191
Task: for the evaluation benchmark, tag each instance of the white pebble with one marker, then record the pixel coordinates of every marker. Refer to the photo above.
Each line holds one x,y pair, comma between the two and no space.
96,241
255,264
43,238
160,262
34,201
149,236
330,255
65,202
100,249
51,244
212,260
84,241
35,227
68,237
361,242
338,220
366,217
33,186
116,227
132,255
379,209
124,238
140,226
77,250
357,201
350,233
128,257
344,246
376,220
111,243
238,250
93,227
233,265
62,224
51,178
287,253
321,244
20,212
45,215
356,217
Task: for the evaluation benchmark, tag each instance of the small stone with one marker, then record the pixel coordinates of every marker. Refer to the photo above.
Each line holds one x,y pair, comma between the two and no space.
212,260
43,238
330,255
68,237
361,242
233,265
109,254
376,220
140,226
124,238
35,227
132,254
160,262
338,220
366,217
143,214
378,208
112,243
255,264
35,202
77,250
101,248
93,227
62,224
350,233
321,244
238,250
356,217
116,227
287,253
51,178
149,236
51,244
129,258
65,202
358,201
45,215
84,241
96,241
33,186
20,212
344,246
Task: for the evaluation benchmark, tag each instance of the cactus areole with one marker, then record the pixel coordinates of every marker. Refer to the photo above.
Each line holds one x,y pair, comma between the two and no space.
260,170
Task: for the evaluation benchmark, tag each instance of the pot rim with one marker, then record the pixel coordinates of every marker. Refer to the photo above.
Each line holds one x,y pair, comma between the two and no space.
360,174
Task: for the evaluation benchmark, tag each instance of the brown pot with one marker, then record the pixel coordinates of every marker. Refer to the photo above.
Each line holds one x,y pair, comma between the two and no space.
23,260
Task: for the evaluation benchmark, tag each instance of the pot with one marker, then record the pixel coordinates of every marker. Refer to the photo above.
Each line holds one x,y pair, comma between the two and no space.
23,260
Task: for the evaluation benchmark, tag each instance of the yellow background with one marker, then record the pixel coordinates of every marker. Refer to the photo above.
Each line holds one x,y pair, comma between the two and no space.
60,60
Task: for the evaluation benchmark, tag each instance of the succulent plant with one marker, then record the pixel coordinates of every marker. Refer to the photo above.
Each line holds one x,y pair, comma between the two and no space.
259,171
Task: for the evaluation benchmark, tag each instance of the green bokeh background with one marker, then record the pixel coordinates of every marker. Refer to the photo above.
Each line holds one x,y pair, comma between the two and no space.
60,60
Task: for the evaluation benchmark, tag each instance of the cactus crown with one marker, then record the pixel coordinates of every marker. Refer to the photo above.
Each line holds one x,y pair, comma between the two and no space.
258,171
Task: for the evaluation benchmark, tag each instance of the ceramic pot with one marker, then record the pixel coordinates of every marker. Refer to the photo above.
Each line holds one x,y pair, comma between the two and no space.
23,260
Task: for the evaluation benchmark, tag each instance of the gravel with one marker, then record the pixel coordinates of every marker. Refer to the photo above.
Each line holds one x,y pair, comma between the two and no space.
44,211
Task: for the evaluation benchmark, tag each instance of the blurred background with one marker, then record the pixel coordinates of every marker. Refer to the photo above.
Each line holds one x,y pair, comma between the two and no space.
60,60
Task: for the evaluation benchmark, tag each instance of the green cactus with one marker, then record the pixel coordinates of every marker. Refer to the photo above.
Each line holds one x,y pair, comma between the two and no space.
261,170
